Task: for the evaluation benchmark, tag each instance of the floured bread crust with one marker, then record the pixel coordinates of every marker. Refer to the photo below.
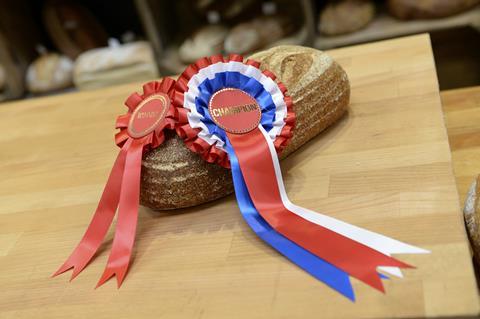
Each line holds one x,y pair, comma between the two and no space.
471,213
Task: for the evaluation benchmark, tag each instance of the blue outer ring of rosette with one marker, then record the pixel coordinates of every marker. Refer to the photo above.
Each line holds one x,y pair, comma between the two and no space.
236,80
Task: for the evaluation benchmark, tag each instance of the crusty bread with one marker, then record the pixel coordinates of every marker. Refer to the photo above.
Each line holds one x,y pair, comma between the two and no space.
207,40
346,16
414,9
115,64
471,213
49,72
175,177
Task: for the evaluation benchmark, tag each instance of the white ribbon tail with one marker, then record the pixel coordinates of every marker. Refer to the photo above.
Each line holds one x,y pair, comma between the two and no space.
380,243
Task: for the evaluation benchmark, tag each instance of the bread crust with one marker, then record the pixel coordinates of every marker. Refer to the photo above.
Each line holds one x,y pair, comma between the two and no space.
471,213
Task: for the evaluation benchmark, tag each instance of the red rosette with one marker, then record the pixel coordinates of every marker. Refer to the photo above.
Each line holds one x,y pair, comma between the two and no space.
141,129
156,137
190,135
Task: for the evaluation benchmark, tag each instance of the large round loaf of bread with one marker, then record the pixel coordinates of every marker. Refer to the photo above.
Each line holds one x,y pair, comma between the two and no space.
175,177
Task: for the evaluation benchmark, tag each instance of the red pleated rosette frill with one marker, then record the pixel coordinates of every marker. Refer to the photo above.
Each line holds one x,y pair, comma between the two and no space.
141,129
191,136
154,139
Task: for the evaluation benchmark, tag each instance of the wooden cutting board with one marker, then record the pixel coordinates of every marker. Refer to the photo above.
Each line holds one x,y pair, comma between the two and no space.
386,166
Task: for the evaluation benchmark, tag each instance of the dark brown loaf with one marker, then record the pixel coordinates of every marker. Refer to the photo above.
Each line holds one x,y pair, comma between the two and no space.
175,177
415,9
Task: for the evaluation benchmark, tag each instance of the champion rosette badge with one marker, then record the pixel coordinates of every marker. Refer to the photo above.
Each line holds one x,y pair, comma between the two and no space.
236,115
141,129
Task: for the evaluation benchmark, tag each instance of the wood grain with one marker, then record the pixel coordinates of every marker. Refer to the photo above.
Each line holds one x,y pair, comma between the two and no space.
386,167
462,117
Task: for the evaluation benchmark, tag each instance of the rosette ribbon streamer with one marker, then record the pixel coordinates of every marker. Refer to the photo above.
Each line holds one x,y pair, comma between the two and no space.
141,129
236,115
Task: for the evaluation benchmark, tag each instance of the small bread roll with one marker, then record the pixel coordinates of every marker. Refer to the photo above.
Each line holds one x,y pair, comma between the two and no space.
49,72
257,33
206,41
346,16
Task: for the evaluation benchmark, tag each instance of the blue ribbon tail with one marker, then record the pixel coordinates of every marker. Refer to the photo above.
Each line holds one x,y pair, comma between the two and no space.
315,266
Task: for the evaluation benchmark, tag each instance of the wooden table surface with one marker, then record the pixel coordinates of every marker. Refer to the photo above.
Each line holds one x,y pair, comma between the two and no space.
386,166
462,118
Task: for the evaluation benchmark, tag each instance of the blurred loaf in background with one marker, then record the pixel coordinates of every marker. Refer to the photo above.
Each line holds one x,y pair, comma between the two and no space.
428,9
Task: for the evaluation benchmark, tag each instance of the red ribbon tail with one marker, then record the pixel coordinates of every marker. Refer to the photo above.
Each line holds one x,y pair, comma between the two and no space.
372,278
101,221
122,246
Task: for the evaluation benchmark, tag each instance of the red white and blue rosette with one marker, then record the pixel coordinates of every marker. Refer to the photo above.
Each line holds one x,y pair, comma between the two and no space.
236,115
198,83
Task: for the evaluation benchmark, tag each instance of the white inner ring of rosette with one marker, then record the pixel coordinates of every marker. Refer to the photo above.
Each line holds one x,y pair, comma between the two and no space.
195,118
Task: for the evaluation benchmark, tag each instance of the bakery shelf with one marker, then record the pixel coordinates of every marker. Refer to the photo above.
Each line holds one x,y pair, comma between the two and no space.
170,63
165,39
385,26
